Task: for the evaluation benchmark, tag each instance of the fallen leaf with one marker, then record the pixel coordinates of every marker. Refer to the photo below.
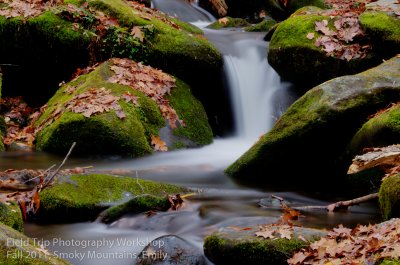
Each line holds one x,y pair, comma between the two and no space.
158,144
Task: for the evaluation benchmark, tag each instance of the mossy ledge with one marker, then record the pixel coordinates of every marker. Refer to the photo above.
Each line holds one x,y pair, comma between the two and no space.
313,134
11,215
82,197
244,248
18,249
105,133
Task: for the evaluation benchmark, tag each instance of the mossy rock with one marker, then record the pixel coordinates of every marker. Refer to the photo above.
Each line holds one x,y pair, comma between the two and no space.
11,215
381,130
243,247
105,133
263,26
384,31
61,45
83,197
389,197
229,23
313,134
18,249
280,12
297,59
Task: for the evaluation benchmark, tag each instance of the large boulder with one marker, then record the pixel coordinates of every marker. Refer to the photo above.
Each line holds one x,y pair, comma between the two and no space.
46,45
389,197
83,197
232,245
134,118
311,137
296,58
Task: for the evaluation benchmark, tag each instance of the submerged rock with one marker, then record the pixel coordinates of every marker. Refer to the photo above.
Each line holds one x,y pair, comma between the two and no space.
171,250
389,197
16,248
122,119
232,245
83,197
309,140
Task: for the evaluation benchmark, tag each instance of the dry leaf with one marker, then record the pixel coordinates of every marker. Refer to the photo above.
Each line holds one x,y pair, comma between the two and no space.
158,144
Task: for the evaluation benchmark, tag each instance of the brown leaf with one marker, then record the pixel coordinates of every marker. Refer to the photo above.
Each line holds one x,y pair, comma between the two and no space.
223,20
158,144
310,35
137,33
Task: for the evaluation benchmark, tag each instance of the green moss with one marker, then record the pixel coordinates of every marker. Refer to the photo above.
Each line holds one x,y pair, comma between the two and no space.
390,262
230,23
17,249
263,26
384,30
137,204
191,111
389,197
295,5
82,197
11,215
252,252
382,130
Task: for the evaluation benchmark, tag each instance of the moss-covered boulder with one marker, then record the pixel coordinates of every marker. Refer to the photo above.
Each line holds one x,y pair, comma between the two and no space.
83,197
296,57
381,130
11,215
263,26
309,140
242,246
106,131
384,30
389,197
46,48
18,249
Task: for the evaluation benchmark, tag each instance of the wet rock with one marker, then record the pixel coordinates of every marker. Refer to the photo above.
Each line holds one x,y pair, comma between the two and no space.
83,197
232,245
313,134
263,26
229,22
389,197
170,250
17,146
20,249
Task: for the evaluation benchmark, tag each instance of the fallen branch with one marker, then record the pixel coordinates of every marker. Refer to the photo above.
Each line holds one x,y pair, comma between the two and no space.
340,205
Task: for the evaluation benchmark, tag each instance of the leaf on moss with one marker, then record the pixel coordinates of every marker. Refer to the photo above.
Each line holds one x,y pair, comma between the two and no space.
158,144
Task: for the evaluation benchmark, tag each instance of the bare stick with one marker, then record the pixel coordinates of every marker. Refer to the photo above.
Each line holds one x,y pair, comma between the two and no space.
46,183
277,197
137,181
346,204
341,205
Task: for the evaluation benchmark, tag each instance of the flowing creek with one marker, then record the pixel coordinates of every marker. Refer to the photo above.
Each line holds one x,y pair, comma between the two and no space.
258,98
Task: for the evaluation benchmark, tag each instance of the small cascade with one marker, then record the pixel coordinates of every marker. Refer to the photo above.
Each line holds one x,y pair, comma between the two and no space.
183,10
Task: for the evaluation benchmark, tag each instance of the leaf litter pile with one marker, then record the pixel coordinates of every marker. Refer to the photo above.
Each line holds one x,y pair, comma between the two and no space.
361,245
342,36
26,8
150,81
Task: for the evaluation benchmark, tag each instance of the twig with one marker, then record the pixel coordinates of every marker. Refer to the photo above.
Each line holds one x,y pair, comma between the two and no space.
137,181
341,205
46,183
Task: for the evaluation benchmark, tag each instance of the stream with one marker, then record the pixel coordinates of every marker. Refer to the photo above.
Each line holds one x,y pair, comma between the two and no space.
258,97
